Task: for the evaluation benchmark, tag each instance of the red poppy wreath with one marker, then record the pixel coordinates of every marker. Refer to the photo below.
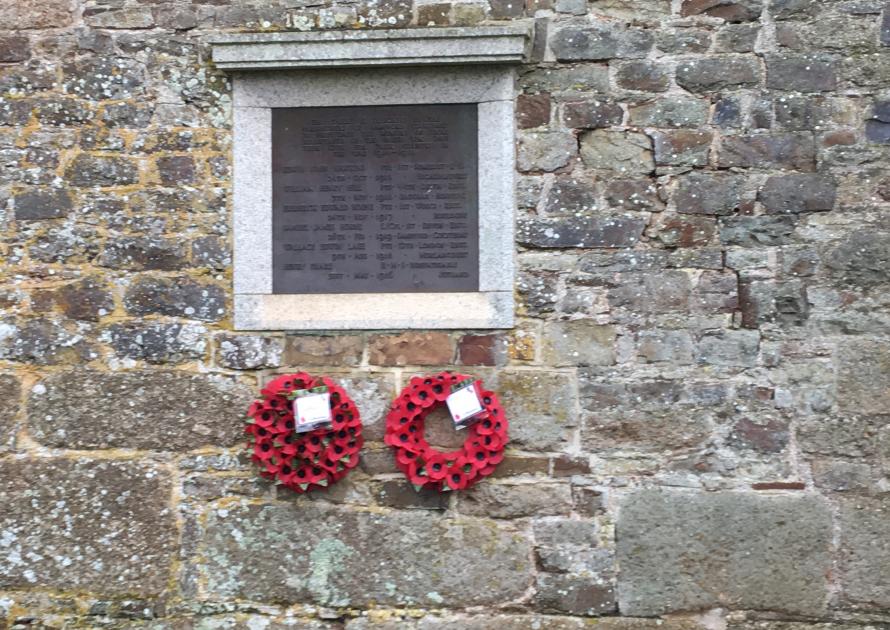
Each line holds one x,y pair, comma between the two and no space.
315,458
424,466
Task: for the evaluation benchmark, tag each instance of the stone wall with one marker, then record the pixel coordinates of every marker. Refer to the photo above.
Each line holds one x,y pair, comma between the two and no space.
698,385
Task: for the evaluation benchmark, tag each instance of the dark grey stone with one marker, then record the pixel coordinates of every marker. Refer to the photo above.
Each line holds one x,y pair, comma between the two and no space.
798,193
156,342
581,231
39,204
608,40
801,73
176,297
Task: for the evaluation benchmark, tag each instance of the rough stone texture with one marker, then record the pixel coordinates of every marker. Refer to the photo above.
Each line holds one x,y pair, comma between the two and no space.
10,395
102,526
345,558
545,151
702,270
159,410
865,553
35,14
863,386
688,550
627,153
411,349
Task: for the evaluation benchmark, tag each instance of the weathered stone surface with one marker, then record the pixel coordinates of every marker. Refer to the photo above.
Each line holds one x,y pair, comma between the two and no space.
88,299
175,297
682,147
176,170
625,152
401,494
740,38
157,342
13,49
793,151
100,526
35,14
532,110
651,292
805,73
496,500
670,111
591,114
10,395
249,352
578,342
718,73
600,41
43,342
143,253
155,410
634,194
586,78
325,350
347,558
730,348
35,205
411,349
98,170
482,350
539,405
729,10
482,622
683,231
798,193
861,259
546,150
690,550
657,346
581,231
864,376
642,76
756,231
865,551
571,195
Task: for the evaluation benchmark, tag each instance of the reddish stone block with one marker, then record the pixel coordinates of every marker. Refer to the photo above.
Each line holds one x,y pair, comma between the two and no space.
411,348
532,110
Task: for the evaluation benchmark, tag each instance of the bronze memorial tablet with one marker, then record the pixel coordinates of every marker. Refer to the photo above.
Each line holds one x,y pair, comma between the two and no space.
375,199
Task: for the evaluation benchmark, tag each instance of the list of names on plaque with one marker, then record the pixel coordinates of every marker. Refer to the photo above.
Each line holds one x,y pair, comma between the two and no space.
379,199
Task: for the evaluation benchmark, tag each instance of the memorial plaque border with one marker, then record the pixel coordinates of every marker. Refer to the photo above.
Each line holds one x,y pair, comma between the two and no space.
256,93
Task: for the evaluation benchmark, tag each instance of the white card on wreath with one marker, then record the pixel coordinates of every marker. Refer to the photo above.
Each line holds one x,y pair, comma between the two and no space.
312,410
464,404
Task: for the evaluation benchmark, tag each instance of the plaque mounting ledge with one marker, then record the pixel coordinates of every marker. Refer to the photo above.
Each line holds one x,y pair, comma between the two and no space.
508,44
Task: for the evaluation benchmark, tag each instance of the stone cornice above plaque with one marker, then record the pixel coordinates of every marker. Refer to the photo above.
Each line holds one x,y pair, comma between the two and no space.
361,48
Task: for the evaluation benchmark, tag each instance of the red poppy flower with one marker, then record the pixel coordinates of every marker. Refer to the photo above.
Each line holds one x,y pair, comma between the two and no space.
412,471
266,417
435,466
405,457
456,478
491,442
423,396
477,457
495,457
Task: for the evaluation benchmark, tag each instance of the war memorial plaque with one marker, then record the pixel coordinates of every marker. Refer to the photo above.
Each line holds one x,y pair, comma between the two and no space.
373,180
375,199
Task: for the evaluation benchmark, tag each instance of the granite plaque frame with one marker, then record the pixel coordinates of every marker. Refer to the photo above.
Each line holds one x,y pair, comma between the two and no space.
450,66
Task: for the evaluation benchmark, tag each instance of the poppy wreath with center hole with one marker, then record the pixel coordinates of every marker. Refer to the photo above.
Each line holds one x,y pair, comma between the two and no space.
303,461
425,466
